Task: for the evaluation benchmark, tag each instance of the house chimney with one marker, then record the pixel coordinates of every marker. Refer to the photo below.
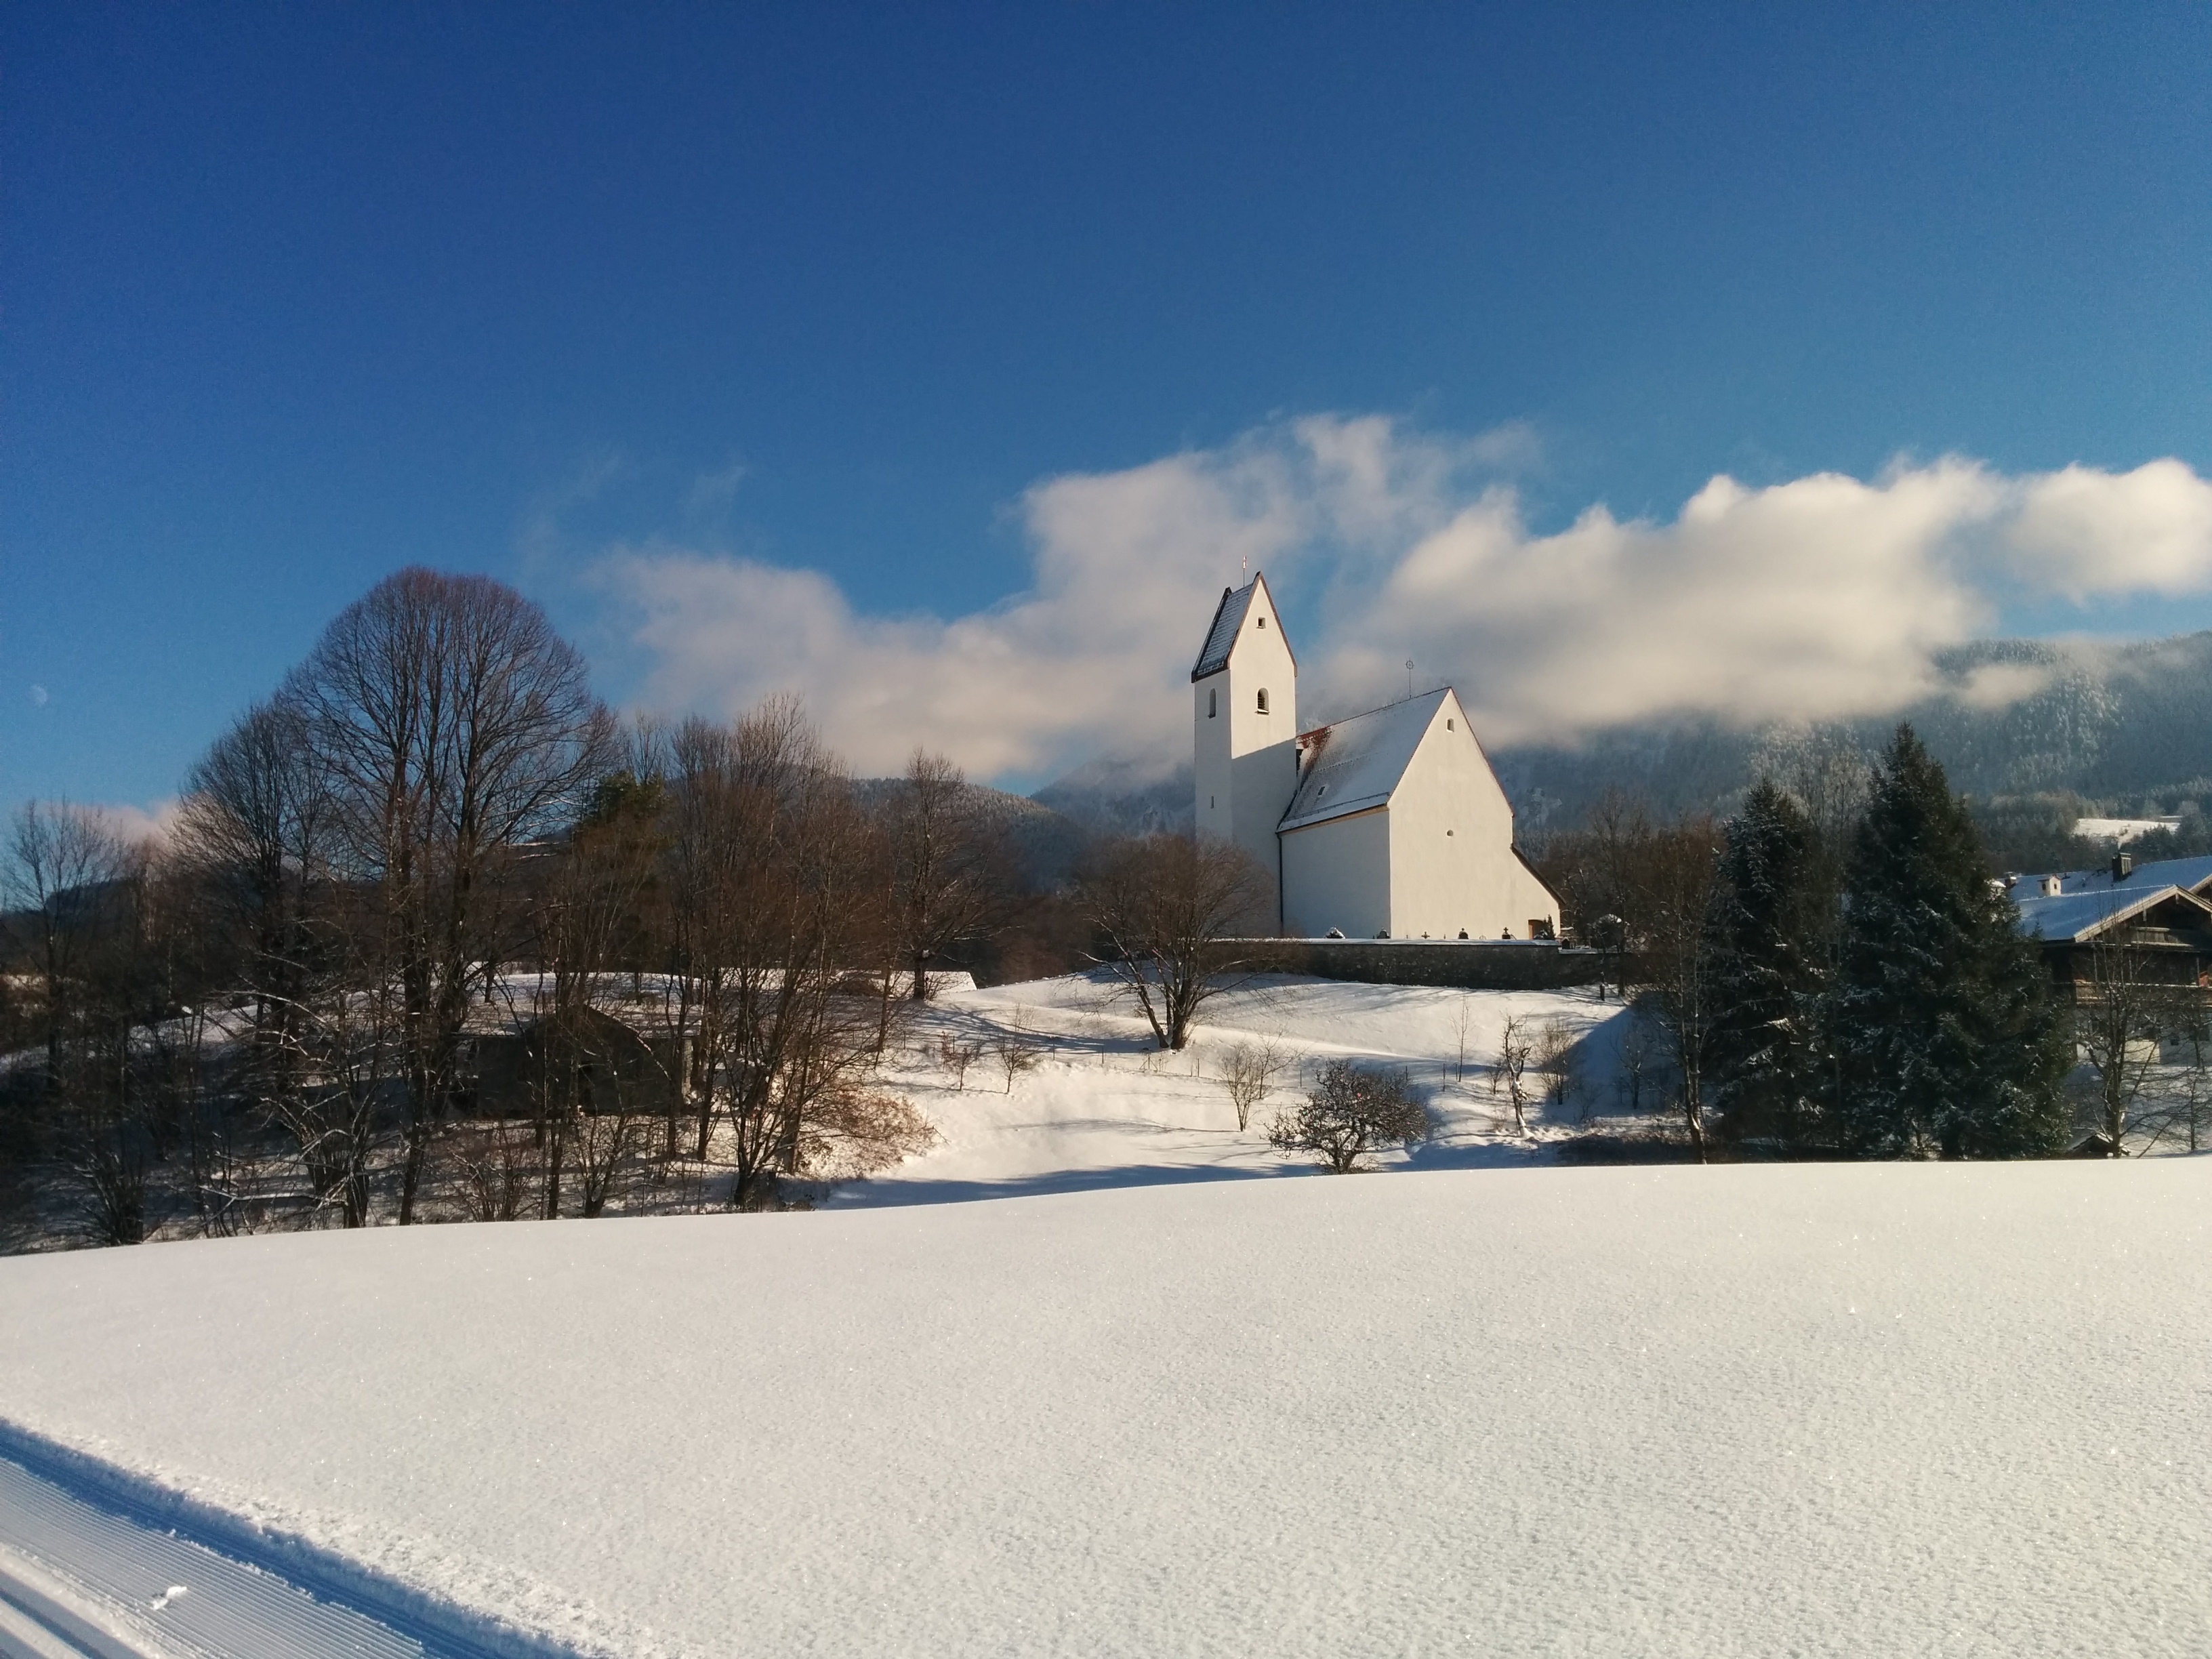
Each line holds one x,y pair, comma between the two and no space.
2122,864
2052,886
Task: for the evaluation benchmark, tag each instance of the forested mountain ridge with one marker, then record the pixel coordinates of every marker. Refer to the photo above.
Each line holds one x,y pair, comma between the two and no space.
2041,728
2121,725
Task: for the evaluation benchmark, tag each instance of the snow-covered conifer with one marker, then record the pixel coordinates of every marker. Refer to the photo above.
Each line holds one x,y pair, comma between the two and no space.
1772,924
1949,1042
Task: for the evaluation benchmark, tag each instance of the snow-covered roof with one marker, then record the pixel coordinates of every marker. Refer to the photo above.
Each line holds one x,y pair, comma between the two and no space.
1228,617
1360,760
2080,915
2192,875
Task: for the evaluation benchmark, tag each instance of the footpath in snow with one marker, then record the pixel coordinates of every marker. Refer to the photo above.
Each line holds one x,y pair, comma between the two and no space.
1814,1410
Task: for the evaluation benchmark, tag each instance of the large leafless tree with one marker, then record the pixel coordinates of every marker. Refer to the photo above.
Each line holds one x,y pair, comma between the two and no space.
1176,918
457,726
949,870
782,888
2133,1000
63,864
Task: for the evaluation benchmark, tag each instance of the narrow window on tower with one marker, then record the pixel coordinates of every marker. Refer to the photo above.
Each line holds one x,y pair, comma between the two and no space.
1263,699
1212,693
1262,622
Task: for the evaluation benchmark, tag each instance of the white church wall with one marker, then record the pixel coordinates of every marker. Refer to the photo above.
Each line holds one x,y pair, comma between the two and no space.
1209,755
1451,844
1337,874
1263,782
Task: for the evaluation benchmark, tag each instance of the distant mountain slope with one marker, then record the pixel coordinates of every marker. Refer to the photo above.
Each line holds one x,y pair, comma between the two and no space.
1123,797
2124,726
1046,841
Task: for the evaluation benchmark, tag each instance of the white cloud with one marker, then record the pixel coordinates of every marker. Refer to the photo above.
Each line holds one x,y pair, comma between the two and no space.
139,825
1819,598
136,825
2081,533
1085,659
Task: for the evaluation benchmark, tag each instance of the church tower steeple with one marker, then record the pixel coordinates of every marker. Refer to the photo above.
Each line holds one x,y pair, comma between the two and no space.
1245,723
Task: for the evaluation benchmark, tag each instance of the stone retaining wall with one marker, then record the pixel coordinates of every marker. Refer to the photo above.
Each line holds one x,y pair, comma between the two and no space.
1471,964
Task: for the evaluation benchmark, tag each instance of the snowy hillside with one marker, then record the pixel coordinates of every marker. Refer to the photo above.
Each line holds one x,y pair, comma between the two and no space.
1735,1410
1101,1106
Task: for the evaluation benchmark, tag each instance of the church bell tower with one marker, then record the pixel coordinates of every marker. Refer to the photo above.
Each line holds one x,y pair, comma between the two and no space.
1245,724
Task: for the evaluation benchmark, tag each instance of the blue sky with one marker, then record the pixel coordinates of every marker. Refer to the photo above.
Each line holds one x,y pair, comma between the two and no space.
581,296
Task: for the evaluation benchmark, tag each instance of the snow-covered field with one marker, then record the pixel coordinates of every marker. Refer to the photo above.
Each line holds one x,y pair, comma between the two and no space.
1811,1410
1103,1106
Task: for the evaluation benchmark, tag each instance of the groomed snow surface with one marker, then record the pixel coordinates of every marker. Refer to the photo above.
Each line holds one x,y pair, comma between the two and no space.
1497,1408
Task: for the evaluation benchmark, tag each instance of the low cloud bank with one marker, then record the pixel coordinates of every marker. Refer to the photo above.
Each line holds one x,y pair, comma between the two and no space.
1823,598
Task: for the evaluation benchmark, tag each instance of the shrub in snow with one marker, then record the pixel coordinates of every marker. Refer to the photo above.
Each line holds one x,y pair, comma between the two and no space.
1013,1053
1248,1074
957,1056
861,1132
1508,1073
1554,1059
1352,1111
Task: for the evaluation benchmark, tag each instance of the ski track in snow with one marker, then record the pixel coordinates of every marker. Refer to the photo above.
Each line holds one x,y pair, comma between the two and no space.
1815,1410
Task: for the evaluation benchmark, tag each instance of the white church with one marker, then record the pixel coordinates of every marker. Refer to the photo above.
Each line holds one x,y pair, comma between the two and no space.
1387,825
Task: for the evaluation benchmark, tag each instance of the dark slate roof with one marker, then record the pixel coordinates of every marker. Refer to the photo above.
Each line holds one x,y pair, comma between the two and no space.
1361,760
1228,617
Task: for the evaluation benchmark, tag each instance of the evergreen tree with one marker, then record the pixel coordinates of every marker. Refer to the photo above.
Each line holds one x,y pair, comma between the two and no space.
1772,928
1949,1039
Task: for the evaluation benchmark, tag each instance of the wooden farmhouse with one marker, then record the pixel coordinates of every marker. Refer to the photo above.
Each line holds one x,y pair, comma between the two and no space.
524,1064
2160,911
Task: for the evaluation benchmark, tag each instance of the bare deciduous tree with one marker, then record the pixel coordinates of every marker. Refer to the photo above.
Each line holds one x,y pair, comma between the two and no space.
1638,1053
1176,914
498,1162
1014,1055
1673,890
948,868
592,1089
1552,1054
1508,1073
782,899
1248,1074
340,1064
2192,1033
2127,1006
456,725
956,1055
61,860
256,829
